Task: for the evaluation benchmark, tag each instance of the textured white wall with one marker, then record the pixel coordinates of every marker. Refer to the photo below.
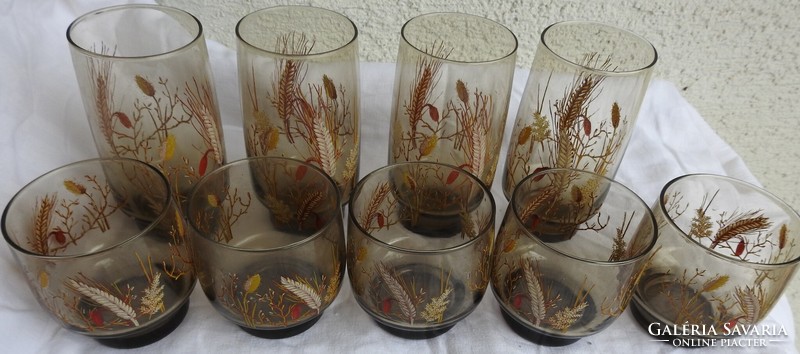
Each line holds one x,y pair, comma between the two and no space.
737,60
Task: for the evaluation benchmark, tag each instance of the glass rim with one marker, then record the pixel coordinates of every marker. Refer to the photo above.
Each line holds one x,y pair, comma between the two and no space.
248,160
168,203
752,187
596,262
509,54
352,41
198,36
620,30
468,242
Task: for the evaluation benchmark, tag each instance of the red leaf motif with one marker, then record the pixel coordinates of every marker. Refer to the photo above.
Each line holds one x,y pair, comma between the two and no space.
740,248
386,305
587,126
96,317
123,119
535,219
295,312
381,220
452,177
433,112
537,170
300,172
517,301
201,169
58,235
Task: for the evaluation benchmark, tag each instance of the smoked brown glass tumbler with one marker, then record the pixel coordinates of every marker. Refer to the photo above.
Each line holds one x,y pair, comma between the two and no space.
298,71
727,250
451,92
581,101
102,245
570,250
147,89
269,243
419,244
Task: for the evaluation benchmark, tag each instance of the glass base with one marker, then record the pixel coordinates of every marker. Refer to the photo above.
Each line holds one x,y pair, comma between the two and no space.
418,334
535,336
154,335
281,333
646,320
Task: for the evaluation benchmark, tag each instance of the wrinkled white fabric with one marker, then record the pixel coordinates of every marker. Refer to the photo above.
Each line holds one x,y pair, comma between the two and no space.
44,126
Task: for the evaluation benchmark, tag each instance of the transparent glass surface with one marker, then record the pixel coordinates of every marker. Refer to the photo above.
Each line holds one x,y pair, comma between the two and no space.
581,100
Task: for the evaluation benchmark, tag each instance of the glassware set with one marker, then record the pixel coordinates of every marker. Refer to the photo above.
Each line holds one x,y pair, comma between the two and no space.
112,247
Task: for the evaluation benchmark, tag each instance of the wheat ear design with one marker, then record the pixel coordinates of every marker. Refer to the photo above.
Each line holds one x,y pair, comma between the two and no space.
749,304
378,195
110,302
303,291
535,293
325,148
745,224
41,224
198,103
310,202
399,294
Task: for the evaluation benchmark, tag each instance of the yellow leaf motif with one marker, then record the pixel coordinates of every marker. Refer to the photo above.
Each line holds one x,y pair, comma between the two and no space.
74,187
715,283
252,283
179,224
213,200
361,253
428,145
524,135
44,279
169,147
272,138
144,85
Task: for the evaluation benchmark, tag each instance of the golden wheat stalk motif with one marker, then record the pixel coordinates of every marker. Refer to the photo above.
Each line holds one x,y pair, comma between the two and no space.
378,195
103,90
407,307
310,201
110,302
744,224
41,224
201,104
304,292
425,80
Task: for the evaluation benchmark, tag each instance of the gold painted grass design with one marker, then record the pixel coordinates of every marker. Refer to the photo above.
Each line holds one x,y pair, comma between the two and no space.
434,310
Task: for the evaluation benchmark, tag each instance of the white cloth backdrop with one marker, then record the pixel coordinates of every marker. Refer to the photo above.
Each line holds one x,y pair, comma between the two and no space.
43,127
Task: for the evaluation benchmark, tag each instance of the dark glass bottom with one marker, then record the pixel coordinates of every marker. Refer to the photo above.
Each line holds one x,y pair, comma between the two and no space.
420,334
281,333
533,335
646,320
154,335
